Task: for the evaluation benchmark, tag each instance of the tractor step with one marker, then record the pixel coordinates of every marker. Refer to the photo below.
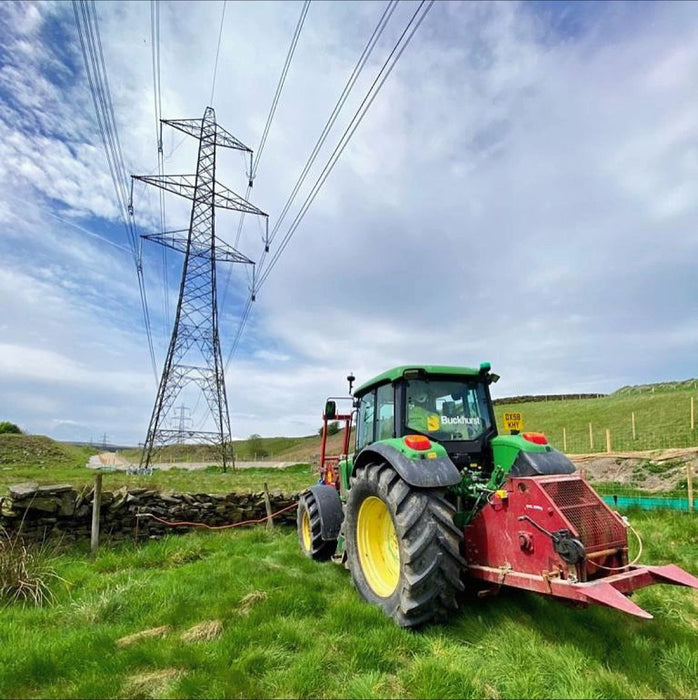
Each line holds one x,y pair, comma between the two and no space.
611,590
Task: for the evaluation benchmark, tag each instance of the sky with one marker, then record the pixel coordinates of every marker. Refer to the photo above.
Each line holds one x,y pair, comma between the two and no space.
523,191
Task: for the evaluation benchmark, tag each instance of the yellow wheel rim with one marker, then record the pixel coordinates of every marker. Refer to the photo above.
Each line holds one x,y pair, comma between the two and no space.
305,531
379,552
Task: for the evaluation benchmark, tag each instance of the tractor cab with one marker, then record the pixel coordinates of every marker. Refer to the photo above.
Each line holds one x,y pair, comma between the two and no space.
448,405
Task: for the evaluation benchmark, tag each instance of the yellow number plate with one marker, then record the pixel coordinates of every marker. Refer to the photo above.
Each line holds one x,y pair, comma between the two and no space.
513,420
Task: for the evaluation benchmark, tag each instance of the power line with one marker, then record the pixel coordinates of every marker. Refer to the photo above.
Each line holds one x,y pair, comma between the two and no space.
255,164
93,56
368,49
370,96
157,103
215,66
280,86
272,111
363,58
373,91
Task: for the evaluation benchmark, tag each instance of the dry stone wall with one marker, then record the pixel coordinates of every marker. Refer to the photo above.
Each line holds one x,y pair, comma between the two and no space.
45,512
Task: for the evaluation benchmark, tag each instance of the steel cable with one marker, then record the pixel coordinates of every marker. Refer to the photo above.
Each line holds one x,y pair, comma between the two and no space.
157,104
373,91
218,50
93,56
349,132
363,58
272,111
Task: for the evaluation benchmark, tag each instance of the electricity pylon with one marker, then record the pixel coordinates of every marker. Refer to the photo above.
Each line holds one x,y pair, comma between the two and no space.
194,354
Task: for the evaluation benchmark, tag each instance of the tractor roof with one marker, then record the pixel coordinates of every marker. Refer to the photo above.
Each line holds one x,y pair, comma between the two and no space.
398,372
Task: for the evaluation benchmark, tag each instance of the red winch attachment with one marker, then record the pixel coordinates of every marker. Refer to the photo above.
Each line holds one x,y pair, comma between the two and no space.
329,464
555,535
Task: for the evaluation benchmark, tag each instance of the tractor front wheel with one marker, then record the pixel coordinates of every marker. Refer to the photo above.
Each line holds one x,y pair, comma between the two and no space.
402,546
310,530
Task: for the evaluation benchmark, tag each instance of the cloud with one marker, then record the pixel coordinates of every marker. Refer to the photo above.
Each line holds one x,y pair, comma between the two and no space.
522,191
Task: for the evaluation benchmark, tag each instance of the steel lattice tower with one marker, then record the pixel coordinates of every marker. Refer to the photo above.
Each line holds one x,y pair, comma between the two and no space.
194,354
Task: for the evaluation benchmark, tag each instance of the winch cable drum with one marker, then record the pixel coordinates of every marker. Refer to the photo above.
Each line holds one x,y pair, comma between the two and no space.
570,549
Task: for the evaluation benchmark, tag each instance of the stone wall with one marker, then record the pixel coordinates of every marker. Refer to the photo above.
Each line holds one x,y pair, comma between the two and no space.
43,512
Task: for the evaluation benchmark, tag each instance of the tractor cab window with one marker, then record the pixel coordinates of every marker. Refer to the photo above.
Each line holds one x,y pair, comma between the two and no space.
386,412
365,421
447,410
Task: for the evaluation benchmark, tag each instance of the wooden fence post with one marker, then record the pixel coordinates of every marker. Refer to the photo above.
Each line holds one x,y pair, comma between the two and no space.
633,419
267,505
564,439
591,438
96,505
608,440
693,416
689,480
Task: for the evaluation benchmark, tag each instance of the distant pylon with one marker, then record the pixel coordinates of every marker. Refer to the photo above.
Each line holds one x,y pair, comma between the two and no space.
194,354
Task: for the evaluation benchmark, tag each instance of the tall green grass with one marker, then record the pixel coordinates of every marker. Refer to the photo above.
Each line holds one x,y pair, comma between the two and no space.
295,628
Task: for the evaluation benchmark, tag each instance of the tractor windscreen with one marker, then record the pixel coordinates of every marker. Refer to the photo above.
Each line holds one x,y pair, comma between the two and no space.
447,410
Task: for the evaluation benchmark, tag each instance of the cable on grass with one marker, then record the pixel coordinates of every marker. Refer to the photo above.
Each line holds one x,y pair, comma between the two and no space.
170,523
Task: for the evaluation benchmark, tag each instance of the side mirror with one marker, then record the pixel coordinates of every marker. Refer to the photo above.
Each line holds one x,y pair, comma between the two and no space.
330,410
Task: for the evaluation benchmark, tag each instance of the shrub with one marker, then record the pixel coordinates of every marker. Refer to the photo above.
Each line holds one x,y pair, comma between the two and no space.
255,446
7,427
25,571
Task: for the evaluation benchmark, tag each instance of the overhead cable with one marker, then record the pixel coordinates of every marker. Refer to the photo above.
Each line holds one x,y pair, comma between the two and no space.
93,56
365,55
272,110
157,104
377,84
218,50
255,164
373,91
368,49
363,58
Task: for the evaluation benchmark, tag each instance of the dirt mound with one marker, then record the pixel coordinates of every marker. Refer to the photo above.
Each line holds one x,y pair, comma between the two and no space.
651,470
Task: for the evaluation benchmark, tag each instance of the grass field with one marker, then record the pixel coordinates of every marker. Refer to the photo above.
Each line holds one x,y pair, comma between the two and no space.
209,480
281,625
662,419
245,450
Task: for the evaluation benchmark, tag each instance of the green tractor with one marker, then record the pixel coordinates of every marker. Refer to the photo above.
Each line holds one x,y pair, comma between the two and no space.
433,498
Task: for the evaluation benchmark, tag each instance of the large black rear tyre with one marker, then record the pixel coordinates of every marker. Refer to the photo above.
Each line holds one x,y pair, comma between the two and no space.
402,546
310,530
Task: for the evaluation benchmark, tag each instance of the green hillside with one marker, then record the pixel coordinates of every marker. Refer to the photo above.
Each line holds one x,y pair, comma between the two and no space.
245,450
662,418
18,451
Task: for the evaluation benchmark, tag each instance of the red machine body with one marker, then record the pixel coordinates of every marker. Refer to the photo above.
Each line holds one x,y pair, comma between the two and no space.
555,535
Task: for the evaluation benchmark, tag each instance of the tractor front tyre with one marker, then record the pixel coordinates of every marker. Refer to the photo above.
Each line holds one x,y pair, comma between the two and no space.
310,530
402,546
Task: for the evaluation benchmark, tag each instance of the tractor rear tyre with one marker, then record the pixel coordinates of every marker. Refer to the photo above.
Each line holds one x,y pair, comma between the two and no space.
402,546
310,530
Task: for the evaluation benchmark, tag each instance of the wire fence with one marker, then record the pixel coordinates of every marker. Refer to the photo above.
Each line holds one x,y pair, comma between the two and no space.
670,485
589,438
